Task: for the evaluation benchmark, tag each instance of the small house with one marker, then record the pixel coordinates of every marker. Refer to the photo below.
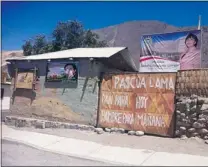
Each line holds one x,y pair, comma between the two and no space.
51,97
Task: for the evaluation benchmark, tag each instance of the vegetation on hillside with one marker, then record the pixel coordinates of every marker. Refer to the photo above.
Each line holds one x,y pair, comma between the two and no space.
66,35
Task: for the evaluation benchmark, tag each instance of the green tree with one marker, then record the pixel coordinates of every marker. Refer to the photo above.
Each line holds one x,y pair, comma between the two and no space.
27,48
90,39
49,47
102,44
66,35
39,44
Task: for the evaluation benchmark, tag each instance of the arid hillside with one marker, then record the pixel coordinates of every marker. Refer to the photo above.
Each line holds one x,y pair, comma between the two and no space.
9,54
129,34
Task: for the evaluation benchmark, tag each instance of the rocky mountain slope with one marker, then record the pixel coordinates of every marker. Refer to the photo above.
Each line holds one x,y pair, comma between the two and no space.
10,54
129,34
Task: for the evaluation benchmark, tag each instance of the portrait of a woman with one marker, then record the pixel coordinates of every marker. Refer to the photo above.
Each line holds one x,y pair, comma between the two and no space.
190,58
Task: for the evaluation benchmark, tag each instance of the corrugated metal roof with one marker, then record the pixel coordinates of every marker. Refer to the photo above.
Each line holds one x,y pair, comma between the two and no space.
105,52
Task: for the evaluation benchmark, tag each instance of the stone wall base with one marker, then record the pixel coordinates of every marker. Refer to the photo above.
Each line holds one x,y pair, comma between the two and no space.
192,117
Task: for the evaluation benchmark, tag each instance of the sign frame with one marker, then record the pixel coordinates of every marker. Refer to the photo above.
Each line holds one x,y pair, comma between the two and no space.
172,122
62,83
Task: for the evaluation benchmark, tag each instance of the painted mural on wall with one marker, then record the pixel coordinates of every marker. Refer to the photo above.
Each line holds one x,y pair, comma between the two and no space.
24,80
62,71
61,75
138,102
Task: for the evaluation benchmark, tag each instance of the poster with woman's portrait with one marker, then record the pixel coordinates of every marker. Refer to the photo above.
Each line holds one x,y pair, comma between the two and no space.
62,72
171,52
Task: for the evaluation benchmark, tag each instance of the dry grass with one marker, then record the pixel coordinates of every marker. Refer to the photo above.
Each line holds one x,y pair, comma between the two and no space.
55,108
49,108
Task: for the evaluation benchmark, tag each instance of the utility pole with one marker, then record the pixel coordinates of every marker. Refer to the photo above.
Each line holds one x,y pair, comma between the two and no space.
199,23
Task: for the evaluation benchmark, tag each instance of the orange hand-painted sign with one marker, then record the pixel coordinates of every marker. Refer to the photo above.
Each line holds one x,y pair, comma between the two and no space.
138,102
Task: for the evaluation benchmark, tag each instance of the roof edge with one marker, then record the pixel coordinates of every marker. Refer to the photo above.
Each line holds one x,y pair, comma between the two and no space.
63,51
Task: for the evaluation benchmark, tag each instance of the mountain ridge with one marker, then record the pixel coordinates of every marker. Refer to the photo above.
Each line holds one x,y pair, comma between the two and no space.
129,33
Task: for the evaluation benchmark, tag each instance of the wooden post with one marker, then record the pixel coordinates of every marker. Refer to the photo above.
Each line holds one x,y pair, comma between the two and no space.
84,88
15,78
14,87
34,79
99,98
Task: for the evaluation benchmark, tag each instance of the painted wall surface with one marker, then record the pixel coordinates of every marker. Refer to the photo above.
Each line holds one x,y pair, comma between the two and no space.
52,103
138,102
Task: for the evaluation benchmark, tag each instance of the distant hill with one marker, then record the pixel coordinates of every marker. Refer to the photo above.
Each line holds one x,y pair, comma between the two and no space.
129,34
10,54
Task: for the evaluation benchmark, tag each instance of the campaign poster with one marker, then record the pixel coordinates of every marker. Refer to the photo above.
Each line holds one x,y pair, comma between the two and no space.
171,52
62,73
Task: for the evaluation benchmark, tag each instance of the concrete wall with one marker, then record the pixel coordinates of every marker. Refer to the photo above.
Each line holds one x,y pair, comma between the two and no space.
192,103
53,103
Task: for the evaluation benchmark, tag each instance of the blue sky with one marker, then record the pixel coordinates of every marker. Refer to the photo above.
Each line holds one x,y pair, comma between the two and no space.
23,20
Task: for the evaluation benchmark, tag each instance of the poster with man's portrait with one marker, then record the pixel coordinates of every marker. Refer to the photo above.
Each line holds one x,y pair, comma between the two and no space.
62,73
171,52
